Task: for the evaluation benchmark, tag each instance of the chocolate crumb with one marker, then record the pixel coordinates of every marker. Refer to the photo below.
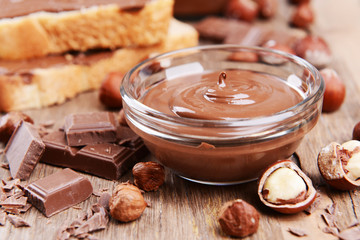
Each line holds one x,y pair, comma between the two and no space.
2,218
17,221
331,209
297,232
330,220
314,206
4,165
352,233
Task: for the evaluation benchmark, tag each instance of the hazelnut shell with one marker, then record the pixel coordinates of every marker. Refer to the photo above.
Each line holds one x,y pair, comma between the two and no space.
287,208
331,169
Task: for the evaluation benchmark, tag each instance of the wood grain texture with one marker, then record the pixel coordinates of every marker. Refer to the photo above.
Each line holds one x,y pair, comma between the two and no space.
186,210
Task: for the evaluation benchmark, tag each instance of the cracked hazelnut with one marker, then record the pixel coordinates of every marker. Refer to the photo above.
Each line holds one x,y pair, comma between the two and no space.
246,10
148,176
9,122
340,164
303,16
126,203
314,49
335,90
109,93
238,218
285,188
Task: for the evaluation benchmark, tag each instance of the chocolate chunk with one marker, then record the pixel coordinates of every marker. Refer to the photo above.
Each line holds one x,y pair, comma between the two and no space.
105,160
128,138
58,191
90,128
9,122
17,221
24,150
14,202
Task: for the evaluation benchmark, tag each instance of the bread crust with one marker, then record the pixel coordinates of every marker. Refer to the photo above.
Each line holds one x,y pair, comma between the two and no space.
54,85
40,34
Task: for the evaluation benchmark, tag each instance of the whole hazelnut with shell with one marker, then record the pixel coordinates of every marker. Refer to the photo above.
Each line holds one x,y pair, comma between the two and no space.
148,176
126,203
238,218
335,91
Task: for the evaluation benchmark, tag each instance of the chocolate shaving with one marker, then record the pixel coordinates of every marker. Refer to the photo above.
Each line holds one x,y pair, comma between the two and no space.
8,185
297,232
14,202
2,218
12,210
314,206
352,233
5,166
25,208
331,209
96,193
104,200
77,207
330,220
17,221
331,230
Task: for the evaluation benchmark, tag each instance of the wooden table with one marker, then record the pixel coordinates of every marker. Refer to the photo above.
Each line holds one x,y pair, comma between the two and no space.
186,210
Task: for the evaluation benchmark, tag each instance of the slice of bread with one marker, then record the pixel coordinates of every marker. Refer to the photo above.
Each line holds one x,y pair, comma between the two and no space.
36,87
108,26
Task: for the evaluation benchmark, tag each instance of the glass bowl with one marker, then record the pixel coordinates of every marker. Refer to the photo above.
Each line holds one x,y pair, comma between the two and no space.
229,150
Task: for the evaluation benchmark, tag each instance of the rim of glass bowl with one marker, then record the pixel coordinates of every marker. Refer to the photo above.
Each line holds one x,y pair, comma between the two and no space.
142,109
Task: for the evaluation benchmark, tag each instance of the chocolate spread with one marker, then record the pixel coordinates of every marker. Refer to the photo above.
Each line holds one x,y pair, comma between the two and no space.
234,94
239,94
16,8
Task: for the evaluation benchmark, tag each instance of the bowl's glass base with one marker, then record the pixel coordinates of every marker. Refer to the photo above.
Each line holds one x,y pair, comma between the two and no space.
294,157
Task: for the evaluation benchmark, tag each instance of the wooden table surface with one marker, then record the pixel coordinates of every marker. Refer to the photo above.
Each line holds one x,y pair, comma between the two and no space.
186,210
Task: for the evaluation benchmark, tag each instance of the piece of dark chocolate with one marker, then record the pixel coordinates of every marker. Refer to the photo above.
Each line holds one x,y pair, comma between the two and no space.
24,150
58,191
105,160
89,128
17,221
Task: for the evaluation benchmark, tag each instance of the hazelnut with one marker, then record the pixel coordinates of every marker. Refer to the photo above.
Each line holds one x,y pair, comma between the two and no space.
340,164
238,218
127,203
314,49
335,90
273,58
109,93
303,16
299,1
9,122
246,10
285,188
148,176
356,132
267,8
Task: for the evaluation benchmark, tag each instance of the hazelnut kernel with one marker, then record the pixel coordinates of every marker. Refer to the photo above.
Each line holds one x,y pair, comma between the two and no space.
126,203
335,91
238,218
148,176
352,167
284,186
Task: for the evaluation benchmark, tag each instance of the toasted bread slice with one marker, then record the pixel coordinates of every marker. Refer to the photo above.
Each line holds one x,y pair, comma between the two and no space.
52,80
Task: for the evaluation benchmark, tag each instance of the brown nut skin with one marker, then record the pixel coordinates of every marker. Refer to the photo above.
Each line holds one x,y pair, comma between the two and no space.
246,10
303,16
267,8
287,208
9,122
126,203
335,90
331,168
148,176
109,92
238,218
314,49
356,132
